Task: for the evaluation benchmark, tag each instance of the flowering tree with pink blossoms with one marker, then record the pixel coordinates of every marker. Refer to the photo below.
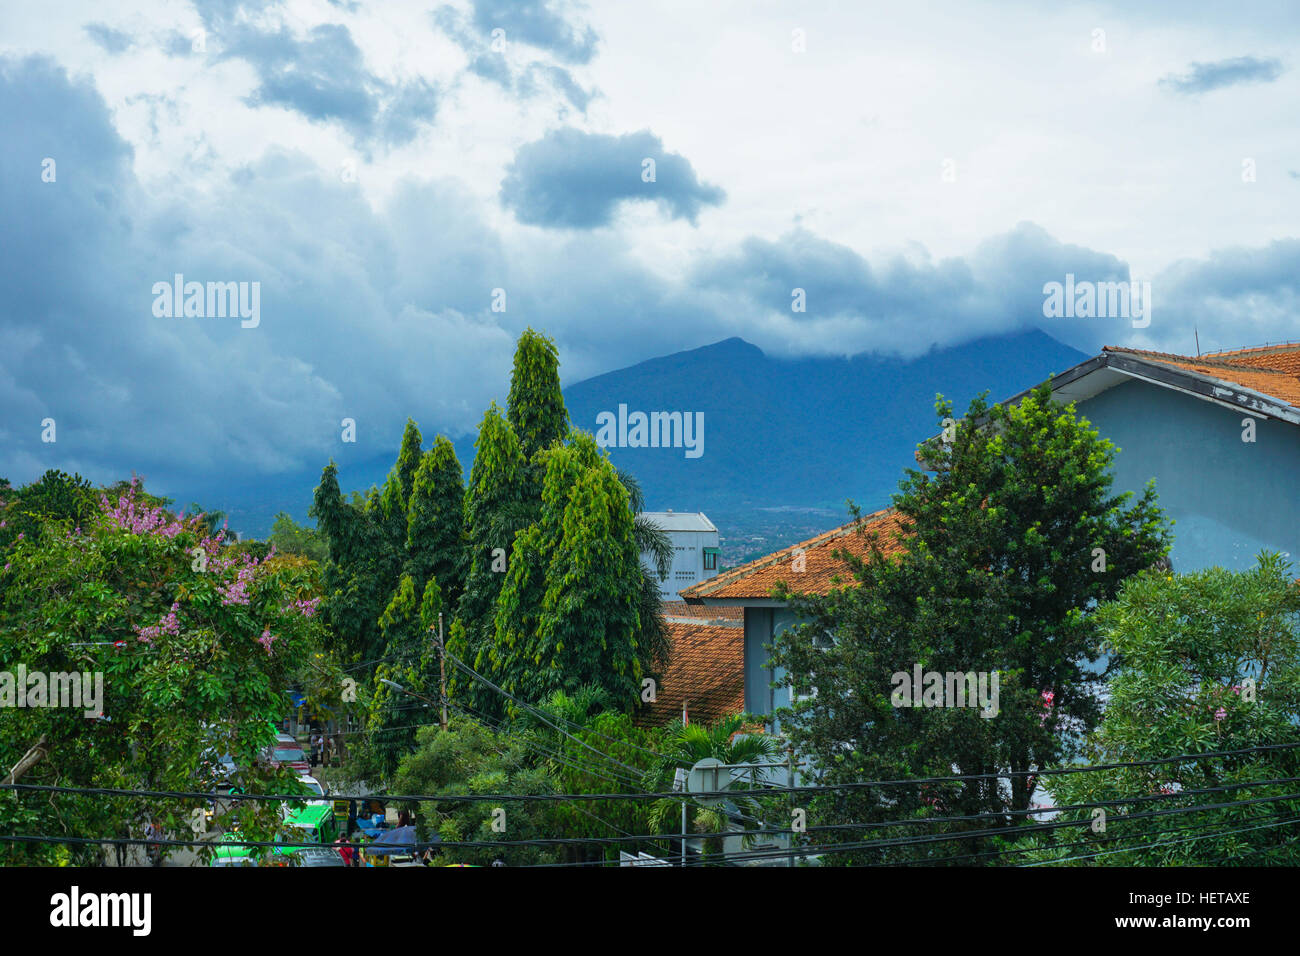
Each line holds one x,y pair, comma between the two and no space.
198,643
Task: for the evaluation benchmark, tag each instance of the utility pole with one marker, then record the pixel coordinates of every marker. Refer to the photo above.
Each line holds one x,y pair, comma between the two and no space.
684,719
789,757
442,672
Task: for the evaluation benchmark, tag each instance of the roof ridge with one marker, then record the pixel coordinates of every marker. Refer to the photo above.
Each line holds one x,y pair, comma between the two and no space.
776,557
1278,347
1207,359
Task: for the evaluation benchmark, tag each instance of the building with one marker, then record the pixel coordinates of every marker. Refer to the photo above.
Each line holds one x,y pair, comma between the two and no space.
703,678
1220,434
695,550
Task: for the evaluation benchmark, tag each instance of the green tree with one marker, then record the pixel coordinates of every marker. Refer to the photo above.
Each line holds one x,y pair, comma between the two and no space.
1009,540
54,497
409,661
289,537
196,648
1204,662
496,508
567,613
468,758
435,536
362,569
727,740
536,404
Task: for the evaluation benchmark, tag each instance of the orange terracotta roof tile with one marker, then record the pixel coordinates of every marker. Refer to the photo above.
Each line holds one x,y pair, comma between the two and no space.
680,610
1273,370
706,670
822,571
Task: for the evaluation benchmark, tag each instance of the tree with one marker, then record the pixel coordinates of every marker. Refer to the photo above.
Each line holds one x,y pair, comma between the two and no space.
536,403
650,539
435,537
408,661
1008,543
289,537
55,496
195,647
567,612
212,520
1203,663
727,741
468,758
362,569
496,508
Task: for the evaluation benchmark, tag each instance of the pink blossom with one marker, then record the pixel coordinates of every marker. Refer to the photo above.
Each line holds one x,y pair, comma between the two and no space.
168,625
1220,714
306,607
237,591
266,639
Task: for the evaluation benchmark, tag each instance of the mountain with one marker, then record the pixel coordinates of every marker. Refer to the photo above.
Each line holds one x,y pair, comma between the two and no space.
805,433
786,441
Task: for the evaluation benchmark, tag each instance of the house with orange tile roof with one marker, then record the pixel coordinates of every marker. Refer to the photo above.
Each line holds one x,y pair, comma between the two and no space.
1219,432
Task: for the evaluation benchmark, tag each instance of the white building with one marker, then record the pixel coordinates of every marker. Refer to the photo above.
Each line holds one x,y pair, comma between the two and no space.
695,550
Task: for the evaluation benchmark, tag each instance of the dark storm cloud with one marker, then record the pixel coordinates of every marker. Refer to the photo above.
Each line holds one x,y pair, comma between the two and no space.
537,23
491,64
1203,77
377,313
321,74
113,41
573,179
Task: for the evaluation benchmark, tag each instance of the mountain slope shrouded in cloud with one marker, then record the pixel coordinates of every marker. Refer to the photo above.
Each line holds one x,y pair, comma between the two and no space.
779,433
807,432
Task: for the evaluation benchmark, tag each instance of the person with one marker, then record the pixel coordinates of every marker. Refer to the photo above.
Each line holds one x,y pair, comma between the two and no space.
152,850
315,749
404,818
345,850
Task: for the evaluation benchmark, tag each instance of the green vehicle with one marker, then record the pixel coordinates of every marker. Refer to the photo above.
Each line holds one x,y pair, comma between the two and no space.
313,824
229,853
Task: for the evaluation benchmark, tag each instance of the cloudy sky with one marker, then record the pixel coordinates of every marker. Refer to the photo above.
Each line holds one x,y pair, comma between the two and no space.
379,169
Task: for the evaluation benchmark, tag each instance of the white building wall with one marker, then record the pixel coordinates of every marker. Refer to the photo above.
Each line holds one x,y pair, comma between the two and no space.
688,562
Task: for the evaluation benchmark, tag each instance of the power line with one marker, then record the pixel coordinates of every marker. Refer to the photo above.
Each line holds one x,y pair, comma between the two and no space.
764,791
1151,846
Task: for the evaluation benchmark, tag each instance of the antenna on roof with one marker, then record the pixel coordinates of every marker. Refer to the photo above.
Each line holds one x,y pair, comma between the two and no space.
1198,341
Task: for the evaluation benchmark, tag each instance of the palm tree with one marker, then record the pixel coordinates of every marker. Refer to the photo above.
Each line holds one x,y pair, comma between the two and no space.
725,741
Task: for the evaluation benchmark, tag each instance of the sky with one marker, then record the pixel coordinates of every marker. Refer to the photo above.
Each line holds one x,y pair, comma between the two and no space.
410,185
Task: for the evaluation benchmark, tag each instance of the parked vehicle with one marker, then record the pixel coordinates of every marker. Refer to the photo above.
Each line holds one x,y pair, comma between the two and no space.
313,856
288,754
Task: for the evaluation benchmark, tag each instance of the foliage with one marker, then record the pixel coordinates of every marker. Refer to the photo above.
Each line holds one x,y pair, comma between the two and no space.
435,535
567,612
1204,662
468,758
289,537
196,646
728,741
54,497
998,574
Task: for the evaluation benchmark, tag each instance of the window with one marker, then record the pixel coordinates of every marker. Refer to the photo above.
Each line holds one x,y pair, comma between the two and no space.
710,559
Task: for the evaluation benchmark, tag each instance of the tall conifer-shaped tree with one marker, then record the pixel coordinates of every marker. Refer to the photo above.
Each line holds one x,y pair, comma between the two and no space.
435,523
496,507
536,405
357,577
567,615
